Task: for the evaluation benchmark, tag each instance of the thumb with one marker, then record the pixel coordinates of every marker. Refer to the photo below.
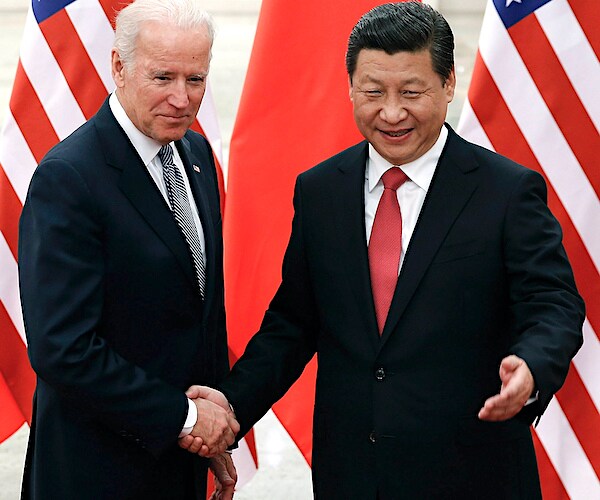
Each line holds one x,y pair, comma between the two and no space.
198,391
193,392
508,366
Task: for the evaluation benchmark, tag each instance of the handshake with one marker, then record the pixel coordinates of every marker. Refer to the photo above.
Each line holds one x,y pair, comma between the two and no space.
213,433
216,426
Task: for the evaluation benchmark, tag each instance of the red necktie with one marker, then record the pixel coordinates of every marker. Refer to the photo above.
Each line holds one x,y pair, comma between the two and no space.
385,245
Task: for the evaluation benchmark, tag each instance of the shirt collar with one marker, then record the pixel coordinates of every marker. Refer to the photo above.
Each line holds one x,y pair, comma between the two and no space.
146,147
419,171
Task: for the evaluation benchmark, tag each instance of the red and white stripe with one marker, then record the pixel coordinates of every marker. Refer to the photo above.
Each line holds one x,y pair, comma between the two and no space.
534,98
62,78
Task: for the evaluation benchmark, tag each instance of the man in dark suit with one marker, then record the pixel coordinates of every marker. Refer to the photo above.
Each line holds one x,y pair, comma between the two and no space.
120,257
428,275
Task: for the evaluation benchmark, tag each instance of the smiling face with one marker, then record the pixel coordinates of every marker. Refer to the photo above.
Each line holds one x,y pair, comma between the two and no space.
399,102
162,91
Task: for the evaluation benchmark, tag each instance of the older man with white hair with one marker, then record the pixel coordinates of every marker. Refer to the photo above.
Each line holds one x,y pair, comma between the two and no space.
121,277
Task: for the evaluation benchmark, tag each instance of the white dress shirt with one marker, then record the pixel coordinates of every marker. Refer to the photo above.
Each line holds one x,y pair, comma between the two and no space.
411,194
147,149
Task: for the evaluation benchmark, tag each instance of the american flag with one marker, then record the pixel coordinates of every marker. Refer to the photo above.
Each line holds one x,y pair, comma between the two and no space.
62,78
534,98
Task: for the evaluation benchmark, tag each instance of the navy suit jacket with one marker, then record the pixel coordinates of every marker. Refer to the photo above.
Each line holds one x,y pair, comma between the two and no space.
115,324
485,275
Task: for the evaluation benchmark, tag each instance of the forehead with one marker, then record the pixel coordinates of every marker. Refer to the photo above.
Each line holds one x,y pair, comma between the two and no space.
167,42
372,63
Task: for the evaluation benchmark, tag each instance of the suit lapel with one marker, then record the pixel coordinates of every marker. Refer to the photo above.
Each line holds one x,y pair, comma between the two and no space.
450,190
350,224
137,185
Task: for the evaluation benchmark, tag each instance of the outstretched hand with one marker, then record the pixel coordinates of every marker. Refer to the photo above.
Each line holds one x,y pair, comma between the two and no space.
517,387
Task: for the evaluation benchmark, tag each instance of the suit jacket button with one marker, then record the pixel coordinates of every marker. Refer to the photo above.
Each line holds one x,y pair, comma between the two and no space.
380,374
373,437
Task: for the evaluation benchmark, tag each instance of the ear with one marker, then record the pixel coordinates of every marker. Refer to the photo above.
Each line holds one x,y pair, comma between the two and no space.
350,88
117,68
450,85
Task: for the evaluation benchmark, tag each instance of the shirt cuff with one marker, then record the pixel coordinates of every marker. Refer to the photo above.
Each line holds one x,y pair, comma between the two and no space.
533,398
190,420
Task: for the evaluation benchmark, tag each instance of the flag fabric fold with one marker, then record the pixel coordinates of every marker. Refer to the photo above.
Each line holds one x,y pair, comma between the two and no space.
533,97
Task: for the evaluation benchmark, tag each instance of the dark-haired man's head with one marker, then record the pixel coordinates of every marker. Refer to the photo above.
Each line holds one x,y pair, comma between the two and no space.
403,27
401,74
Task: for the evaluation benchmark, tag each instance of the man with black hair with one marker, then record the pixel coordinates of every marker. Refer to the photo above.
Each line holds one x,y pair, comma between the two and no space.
428,275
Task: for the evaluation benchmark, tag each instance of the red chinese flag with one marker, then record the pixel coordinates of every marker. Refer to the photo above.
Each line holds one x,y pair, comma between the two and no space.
295,111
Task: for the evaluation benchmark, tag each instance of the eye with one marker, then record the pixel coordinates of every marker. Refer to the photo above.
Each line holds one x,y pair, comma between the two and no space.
373,92
411,93
197,79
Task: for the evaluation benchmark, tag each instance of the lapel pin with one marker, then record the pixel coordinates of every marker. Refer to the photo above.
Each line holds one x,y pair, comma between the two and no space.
196,168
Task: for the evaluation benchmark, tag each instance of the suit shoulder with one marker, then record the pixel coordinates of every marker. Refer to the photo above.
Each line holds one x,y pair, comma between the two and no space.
491,162
198,142
354,156
76,155
77,146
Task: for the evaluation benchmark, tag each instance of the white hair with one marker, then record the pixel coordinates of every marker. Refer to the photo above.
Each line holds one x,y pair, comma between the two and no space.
185,14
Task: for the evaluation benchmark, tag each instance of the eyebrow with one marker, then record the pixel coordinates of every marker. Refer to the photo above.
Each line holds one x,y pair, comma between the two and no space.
158,72
410,81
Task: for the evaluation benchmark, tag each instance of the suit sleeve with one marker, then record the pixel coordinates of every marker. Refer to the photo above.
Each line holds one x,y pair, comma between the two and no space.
61,280
547,311
276,356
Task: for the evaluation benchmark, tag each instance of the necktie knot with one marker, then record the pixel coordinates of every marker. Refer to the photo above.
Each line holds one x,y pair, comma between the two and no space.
166,155
393,178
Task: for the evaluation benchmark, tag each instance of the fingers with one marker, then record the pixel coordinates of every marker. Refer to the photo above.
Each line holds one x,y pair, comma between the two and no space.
227,493
498,408
517,386
225,476
186,442
231,469
194,445
210,394
215,427
233,424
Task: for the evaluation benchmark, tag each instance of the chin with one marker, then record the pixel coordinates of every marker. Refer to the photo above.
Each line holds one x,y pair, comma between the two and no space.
172,136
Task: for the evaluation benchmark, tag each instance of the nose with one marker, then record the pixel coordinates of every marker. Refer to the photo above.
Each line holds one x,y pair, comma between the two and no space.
178,97
393,110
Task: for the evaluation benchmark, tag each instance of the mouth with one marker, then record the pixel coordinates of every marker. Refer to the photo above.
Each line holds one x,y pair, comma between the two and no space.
398,133
175,118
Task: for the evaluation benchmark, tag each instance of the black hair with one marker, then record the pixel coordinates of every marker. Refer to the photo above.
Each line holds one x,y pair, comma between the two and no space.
403,27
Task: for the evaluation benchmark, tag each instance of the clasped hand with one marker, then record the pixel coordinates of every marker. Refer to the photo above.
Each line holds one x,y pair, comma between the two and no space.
215,430
216,426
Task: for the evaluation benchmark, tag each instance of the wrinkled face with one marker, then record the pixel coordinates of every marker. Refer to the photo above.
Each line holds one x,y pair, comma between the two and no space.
399,102
162,90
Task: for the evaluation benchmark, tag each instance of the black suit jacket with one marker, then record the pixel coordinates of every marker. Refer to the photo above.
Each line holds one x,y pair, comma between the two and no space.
485,275
115,324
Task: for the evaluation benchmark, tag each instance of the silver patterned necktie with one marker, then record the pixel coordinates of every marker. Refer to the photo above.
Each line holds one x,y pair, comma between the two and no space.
182,212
